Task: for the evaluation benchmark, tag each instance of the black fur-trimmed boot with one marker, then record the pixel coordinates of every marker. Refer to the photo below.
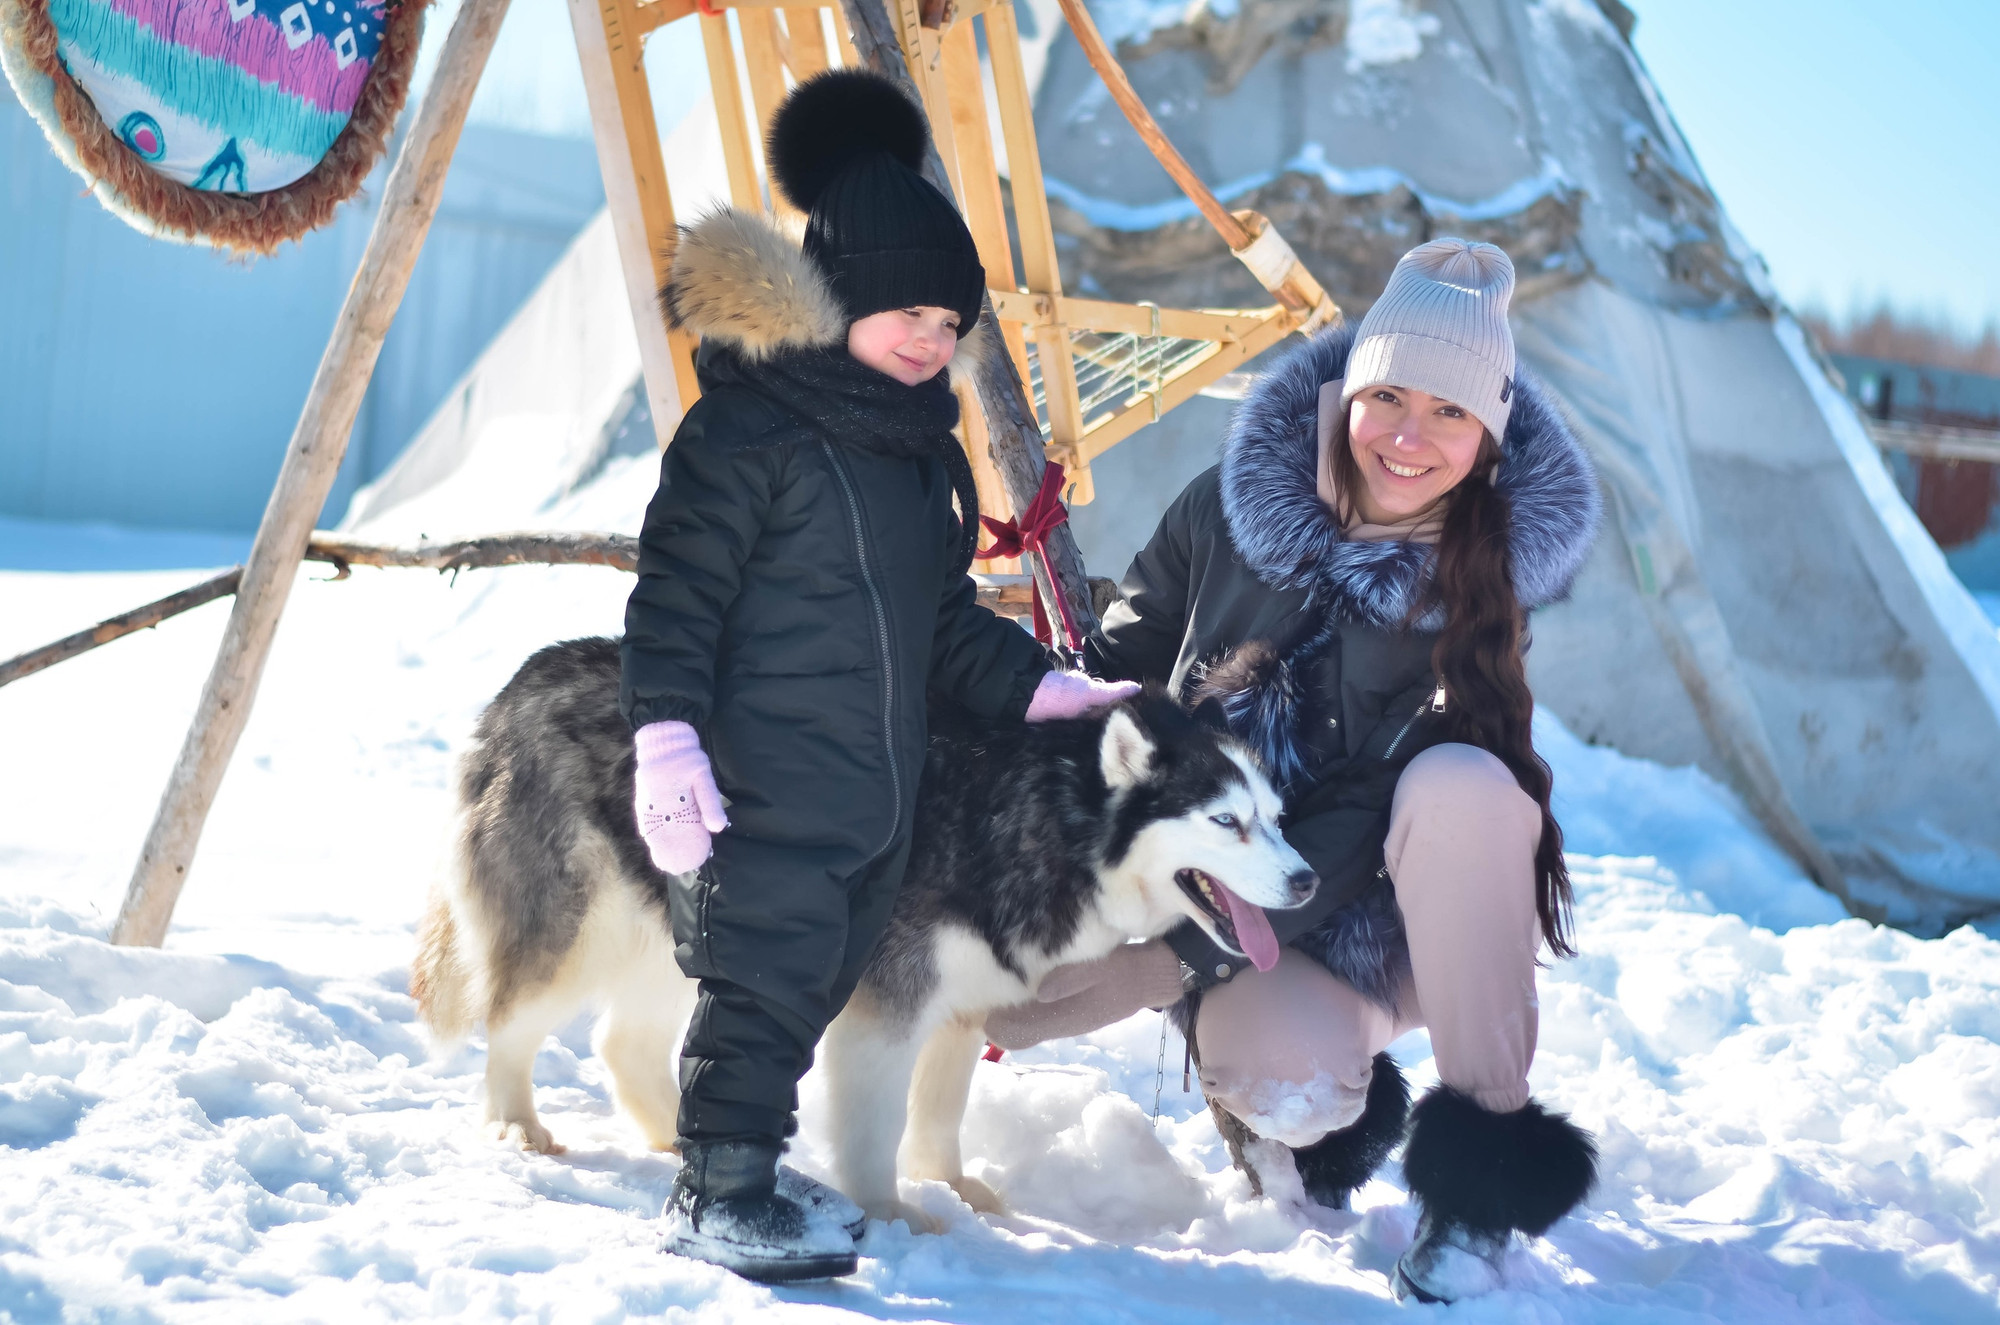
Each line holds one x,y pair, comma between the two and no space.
1480,1176
726,1209
1332,1168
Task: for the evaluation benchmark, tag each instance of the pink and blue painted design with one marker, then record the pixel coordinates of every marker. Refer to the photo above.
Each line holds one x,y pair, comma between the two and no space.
235,95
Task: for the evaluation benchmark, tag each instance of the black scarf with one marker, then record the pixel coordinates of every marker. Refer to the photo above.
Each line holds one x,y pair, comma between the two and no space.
868,410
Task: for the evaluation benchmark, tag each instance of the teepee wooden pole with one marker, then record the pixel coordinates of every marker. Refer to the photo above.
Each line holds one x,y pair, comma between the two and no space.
408,203
1014,438
1248,235
610,51
1092,43
805,43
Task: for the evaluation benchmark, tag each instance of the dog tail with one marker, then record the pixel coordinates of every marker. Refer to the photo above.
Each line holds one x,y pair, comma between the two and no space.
439,978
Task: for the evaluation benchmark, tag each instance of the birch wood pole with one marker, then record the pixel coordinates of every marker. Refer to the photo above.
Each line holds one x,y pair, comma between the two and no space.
611,54
1010,595
1084,28
1014,438
118,627
1249,235
408,203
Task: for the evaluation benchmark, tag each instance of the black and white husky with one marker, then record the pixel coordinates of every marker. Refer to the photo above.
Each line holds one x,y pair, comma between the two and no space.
1033,846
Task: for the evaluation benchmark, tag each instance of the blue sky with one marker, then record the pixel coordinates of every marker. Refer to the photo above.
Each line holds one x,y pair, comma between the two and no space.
1856,145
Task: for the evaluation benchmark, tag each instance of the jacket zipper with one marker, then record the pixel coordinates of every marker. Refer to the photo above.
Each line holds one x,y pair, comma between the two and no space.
881,637
1435,704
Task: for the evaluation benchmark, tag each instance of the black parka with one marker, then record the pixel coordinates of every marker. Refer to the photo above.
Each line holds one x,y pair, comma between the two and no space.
796,596
799,591
1248,591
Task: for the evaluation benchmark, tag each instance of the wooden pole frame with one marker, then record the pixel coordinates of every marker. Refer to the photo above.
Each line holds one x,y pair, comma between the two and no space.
940,65
1014,436
610,50
409,201
1005,592
1039,267
926,46
1249,235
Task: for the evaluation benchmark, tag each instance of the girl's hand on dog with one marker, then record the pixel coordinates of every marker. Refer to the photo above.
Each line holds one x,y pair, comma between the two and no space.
674,796
1072,695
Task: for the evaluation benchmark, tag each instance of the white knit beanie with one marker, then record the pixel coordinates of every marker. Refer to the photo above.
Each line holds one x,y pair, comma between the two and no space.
1441,327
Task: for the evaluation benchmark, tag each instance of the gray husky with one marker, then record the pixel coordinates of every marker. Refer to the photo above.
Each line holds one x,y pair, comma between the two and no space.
1034,846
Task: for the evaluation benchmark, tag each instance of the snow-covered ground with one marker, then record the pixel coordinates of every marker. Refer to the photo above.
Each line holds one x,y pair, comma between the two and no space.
1799,1115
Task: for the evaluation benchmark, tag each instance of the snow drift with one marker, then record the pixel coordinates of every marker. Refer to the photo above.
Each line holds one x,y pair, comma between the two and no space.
1797,1111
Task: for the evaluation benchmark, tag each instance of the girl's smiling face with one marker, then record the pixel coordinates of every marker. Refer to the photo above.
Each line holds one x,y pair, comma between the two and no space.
1411,449
911,345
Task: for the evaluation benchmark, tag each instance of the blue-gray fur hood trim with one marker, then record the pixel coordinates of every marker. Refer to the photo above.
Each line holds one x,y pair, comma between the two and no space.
1286,534
1364,944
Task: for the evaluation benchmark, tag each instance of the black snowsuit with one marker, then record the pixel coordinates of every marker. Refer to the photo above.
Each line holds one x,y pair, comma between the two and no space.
1248,590
798,592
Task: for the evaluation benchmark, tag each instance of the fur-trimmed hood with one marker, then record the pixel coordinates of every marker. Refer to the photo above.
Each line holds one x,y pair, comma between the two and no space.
739,281
1288,536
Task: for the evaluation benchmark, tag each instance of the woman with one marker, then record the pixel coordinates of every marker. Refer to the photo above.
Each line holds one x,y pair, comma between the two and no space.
1350,584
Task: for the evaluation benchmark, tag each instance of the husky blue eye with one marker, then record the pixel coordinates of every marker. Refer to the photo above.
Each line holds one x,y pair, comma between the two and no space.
1226,820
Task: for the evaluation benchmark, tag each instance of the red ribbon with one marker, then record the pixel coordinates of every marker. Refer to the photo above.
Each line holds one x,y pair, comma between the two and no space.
1029,532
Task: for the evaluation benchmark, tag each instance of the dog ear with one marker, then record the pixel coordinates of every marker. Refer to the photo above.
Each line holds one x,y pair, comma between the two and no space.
1126,751
1210,713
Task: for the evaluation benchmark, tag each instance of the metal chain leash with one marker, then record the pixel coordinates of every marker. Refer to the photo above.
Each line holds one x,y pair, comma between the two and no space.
1160,1069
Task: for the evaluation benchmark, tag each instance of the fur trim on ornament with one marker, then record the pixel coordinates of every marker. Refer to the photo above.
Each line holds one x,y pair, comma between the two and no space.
246,223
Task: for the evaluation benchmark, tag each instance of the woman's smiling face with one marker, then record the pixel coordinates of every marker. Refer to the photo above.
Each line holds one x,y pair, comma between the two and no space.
1411,449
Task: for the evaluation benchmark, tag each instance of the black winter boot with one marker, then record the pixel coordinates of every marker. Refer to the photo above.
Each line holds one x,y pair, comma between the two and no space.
1335,1165
725,1209
819,1198
1479,1176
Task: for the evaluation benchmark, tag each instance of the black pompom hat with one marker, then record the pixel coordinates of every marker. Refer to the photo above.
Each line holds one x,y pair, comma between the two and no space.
846,148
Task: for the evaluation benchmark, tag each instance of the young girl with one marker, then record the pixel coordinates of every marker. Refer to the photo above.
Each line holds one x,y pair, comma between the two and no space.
801,584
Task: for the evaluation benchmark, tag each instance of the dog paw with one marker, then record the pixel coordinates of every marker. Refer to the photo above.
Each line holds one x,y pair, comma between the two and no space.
526,1134
891,1211
983,1199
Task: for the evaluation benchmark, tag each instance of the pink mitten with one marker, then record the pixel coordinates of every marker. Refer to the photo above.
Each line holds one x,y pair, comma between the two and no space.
1072,694
674,796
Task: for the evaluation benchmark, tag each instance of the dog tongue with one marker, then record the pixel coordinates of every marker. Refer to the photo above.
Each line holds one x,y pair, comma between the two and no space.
1253,931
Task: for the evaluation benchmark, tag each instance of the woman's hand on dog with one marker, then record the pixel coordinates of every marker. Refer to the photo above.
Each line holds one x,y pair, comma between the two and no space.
674,796
1087,996
1072,695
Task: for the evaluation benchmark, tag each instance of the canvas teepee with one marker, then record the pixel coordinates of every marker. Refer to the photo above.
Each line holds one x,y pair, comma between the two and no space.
1762,602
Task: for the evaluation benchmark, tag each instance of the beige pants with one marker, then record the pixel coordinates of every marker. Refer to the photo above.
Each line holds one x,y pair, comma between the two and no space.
1290,1050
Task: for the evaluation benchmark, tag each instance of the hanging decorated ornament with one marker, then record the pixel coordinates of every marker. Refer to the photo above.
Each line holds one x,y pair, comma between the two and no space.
239,123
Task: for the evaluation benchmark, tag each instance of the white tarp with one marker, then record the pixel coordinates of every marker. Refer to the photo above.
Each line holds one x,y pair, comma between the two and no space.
546,402
1762,603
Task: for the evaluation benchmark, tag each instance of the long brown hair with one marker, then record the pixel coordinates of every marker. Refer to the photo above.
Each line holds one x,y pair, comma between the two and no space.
1480,656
